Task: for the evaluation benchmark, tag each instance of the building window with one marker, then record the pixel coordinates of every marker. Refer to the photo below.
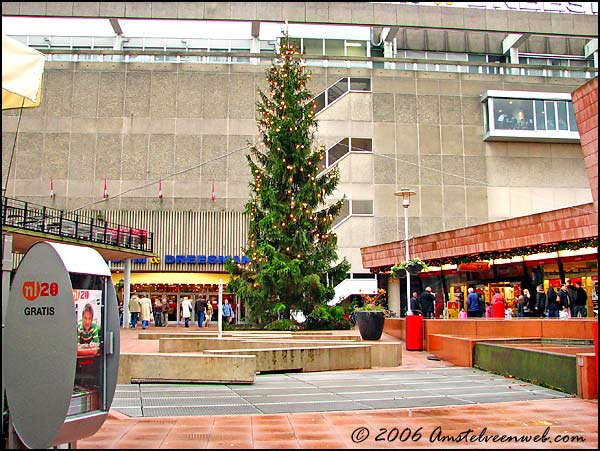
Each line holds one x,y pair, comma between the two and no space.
353,207
345,147
529,116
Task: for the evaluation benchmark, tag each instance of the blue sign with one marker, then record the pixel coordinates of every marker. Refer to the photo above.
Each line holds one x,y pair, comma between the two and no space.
203,259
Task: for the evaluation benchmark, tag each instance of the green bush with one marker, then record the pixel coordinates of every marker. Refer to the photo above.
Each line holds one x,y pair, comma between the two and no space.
327,317
282,324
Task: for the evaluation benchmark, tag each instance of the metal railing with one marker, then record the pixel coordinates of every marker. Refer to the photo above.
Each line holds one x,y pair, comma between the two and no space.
28,216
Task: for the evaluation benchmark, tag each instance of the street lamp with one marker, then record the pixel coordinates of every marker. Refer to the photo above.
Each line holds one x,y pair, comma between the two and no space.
405,193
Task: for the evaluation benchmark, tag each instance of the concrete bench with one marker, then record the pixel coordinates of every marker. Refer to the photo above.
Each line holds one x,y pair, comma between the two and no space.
316,358
187,367
383,354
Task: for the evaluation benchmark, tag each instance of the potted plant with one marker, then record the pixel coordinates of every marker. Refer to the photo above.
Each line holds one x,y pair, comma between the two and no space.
413,266
371,316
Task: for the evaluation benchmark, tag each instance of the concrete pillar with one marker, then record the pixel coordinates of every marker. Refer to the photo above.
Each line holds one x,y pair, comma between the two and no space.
126,292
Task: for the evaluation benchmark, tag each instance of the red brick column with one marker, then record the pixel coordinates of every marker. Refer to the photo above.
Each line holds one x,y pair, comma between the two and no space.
585,103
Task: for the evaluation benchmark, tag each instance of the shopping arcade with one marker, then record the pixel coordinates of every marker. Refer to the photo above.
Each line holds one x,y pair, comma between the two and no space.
566,229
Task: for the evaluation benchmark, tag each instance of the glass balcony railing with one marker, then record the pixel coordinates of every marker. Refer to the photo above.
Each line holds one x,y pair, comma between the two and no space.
18,214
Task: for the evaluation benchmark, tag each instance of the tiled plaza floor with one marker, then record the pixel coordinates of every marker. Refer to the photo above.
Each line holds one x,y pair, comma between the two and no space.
561,423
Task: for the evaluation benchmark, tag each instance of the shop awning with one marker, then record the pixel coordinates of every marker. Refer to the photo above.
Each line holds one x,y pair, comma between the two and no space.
22,69
557,226
173,278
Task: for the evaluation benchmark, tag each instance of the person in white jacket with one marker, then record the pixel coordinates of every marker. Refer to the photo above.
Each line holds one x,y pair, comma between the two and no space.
186,310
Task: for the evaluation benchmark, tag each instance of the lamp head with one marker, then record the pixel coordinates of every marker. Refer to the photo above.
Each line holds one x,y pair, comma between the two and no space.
405,193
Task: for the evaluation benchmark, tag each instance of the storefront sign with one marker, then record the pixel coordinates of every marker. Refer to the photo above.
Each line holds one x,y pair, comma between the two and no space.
474,266
203,259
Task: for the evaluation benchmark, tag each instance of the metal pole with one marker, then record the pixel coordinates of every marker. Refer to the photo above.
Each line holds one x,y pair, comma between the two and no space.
408,310
126,292
220,310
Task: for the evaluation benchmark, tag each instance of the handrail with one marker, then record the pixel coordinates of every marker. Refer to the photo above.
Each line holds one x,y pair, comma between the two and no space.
28,216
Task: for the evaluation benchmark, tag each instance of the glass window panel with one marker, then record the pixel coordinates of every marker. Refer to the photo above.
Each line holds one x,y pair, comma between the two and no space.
360,84
572,118
296,42
334,47
356,48
361,145
522,114
563,120
219,45
502,114
550,115
362,207
240,45
313,46
319,102
540,115
343,214
338,151
476,59
337,90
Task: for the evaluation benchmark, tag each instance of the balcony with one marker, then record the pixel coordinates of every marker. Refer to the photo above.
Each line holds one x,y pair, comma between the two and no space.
28,218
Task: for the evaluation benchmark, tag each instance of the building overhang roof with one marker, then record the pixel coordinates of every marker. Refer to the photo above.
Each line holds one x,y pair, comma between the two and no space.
556,226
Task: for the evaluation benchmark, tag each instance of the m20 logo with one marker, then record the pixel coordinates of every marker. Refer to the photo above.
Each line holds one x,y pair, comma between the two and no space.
32,290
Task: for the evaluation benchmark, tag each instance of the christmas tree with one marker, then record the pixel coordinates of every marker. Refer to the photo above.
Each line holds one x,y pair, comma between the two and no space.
292,249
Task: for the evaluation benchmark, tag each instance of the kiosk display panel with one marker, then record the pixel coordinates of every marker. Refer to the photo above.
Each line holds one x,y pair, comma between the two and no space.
61,345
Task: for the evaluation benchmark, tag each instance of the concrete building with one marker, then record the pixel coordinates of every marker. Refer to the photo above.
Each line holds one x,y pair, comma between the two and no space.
468,106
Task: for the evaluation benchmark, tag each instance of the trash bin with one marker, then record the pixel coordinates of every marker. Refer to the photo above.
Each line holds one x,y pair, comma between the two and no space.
498,309
414,333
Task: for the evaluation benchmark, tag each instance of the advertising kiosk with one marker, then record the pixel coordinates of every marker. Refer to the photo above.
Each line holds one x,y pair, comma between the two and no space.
61,345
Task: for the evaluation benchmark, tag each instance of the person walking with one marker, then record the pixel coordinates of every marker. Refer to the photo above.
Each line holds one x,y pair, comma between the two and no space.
209,313
427,300
528,303
200,310
134,310
564,301
552,302
473,304
227,312
186,310
145,311
415,304
540,302
164,312
157,311
580,302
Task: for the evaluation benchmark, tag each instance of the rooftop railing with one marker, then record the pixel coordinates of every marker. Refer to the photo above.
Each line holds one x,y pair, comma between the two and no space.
28,216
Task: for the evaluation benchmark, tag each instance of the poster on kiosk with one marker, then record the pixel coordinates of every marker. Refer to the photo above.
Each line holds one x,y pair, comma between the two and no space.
61,345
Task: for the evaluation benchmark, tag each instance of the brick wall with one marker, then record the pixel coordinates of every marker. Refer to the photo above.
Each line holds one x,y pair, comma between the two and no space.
585,103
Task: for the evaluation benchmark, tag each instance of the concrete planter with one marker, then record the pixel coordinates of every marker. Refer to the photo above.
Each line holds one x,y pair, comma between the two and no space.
370,324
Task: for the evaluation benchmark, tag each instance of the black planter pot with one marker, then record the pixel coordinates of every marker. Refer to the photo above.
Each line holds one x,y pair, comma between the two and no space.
370,324
414,269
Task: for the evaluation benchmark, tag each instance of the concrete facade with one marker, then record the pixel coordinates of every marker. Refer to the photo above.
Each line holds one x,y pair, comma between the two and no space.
190,124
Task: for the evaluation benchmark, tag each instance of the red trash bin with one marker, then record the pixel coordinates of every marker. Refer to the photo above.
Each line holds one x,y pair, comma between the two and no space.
498,309
414,333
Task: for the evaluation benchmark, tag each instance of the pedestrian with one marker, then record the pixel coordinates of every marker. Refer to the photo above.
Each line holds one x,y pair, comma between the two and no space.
540,302
186,310
157,311
415,304
200,310
134,310
427,300
145,311
563,299
462,314
520,306
552,302
209,313
528,303
121,312
473,304
580,302
488,310
165,312
227,312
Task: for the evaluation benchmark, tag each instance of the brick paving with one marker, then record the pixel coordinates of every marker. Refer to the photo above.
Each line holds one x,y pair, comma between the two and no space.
563,423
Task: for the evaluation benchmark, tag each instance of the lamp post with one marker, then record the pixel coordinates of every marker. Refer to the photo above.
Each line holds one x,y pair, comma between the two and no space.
405,193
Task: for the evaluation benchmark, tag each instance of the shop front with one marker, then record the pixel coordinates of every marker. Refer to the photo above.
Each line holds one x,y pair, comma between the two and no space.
174,287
